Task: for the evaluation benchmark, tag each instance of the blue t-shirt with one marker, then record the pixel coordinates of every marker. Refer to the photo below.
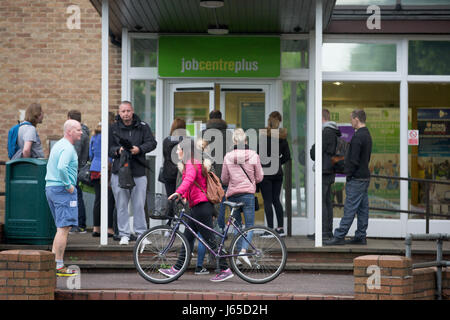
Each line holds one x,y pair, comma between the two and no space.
62,165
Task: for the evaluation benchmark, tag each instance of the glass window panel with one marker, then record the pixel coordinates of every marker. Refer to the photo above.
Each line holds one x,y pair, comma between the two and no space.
365,2
143,97
143,52
429,57
425,2
429,108
359,57
192,107
294,54
294,120
381,103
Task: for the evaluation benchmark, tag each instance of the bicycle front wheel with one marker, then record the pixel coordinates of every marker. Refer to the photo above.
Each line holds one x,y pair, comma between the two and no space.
265,256
158,249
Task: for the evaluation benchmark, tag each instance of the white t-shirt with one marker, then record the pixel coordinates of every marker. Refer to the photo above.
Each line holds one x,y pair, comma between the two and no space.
29,133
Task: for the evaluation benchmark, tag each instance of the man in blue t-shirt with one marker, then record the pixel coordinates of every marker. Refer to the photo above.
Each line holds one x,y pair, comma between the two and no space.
61,192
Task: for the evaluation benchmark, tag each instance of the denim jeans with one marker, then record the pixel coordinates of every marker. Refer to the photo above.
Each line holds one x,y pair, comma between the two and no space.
249,214
221,217
356,203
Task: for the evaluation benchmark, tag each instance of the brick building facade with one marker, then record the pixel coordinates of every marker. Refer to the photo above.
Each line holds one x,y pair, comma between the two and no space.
42,60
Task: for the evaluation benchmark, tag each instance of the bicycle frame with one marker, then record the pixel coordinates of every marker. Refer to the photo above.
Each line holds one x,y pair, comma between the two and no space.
217,255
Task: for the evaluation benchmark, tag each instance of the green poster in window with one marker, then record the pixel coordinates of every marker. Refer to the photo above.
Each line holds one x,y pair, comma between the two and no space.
211,56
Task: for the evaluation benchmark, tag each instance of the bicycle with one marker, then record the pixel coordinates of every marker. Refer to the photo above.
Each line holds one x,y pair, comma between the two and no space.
159,248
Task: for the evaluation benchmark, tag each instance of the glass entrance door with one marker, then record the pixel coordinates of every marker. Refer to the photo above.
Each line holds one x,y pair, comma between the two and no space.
245,107
192,102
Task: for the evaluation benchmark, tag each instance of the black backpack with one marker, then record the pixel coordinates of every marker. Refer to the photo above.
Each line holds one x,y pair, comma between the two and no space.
337,160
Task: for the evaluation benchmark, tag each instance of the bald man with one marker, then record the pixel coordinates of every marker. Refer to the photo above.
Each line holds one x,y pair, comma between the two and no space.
61,192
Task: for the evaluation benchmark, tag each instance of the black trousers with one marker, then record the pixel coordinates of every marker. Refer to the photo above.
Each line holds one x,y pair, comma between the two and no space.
271,190
170,189
327,205
203,213
97,201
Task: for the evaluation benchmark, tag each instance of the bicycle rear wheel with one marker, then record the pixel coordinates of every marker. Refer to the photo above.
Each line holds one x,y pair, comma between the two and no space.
158,249
265,257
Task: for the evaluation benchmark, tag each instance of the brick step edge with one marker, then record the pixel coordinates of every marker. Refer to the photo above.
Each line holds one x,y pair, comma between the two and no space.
186,295
293,266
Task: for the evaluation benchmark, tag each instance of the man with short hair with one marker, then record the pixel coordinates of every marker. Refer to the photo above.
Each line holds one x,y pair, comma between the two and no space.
82,149
139,137
61,192
220,132
356,169
330,133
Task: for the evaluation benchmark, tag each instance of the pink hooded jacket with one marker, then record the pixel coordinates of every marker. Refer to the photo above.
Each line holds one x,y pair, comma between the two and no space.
235,178
188,189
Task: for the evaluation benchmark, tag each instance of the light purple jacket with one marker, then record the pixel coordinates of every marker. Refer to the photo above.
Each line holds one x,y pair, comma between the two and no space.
234,176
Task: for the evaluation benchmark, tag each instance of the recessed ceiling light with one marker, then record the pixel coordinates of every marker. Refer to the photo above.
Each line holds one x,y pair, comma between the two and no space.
211,4
338,83
220,30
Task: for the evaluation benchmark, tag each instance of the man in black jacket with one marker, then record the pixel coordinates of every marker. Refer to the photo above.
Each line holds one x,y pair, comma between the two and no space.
330,132
139,141
356,169
220,142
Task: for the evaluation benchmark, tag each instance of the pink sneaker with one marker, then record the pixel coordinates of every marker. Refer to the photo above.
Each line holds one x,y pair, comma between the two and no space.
223,275
172,272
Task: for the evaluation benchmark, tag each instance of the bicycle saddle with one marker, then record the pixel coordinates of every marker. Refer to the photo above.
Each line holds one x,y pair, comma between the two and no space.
234,205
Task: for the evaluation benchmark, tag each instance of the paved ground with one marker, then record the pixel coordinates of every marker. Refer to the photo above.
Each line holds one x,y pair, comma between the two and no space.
298,283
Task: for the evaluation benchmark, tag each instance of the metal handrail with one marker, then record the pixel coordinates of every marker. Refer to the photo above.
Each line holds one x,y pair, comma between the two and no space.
427,212
439,263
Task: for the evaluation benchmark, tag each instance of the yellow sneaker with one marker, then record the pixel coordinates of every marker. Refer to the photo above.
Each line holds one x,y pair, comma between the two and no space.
64,272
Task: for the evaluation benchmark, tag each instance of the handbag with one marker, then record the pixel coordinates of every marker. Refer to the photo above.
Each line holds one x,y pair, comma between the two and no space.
126,180
256,198
214,191
161,176
84,174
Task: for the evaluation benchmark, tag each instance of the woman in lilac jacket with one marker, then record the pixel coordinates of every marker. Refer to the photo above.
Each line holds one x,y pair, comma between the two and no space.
192,189
241,171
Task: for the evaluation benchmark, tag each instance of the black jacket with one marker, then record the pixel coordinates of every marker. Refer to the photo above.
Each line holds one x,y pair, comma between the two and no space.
284,153
169,167
329,134
140,135
358,155
227,143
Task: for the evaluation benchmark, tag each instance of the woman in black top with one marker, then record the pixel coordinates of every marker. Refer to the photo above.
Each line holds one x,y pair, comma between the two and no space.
272,182
170,170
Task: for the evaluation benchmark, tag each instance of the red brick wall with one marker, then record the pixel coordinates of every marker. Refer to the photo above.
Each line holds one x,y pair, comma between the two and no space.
27,275
43,61
424,283
398,280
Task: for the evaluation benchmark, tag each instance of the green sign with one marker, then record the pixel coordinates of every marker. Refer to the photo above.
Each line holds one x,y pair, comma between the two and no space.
210,56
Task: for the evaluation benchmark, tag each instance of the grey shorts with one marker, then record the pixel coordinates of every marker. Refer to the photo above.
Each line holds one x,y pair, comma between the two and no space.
63,205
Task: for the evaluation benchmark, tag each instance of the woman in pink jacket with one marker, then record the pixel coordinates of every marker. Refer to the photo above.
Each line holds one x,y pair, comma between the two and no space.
241,171
193,177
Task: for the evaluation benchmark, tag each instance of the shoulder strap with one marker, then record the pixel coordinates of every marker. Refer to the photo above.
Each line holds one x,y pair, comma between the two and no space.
195,182
246,174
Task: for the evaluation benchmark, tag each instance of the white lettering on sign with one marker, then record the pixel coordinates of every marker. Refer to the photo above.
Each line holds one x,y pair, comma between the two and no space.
218,65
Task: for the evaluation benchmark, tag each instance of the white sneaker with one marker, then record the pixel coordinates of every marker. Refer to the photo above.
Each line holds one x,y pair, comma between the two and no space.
144,243
124,240
244,258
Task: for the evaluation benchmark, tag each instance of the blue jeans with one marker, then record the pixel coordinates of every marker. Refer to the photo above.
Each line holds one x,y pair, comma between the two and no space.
249,214
201,251
356,202
221,217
